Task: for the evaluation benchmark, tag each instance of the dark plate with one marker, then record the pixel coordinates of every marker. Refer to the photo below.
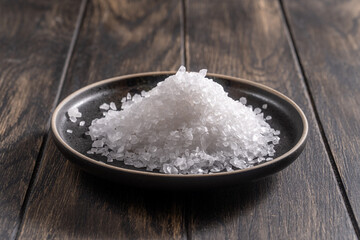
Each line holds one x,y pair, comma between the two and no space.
286,117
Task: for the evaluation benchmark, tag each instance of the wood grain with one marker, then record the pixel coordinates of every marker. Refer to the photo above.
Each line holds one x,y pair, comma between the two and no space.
248,39
117,37
34,40
329,48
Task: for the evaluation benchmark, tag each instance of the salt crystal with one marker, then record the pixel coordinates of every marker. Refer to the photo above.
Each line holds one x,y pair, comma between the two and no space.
73,119
167,168
74,114
257,110
202,72
243,100
104,106
81,123
113,106
238,163
137,98
98,144
187,124
69,131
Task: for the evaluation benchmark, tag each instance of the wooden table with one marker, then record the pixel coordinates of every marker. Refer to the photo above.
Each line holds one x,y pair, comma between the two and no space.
306,49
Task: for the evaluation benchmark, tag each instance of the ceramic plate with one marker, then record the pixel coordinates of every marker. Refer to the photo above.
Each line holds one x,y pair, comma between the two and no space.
286,117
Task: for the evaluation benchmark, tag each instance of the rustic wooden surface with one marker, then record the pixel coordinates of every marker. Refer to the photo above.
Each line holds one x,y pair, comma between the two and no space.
309,52
34,41
301,202
116,38
330,56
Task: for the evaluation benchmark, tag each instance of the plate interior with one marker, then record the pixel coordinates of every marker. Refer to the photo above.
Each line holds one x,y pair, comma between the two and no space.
284,116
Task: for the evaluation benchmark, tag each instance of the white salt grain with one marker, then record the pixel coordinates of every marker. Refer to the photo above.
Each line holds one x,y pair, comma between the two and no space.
257,110
187,124
243,100
113,106
104,106
74,114
69,131
81,123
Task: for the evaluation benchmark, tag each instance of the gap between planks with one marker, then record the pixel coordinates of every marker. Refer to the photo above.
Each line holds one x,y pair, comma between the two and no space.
183,47
302,75
79,21
184,50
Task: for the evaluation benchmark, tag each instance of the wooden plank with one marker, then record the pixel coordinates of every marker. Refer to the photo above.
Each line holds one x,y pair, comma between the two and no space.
328,40
248,39
117,37
34,40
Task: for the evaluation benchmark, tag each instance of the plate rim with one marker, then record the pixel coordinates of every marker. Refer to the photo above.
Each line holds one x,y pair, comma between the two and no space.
298,145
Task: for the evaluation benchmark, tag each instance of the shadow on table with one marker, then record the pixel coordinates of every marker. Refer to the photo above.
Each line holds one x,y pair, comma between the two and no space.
141,209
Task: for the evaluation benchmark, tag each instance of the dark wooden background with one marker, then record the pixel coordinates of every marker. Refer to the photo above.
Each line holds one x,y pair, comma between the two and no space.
306,49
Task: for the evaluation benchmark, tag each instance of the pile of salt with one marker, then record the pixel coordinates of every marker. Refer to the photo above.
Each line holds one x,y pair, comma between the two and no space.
187,124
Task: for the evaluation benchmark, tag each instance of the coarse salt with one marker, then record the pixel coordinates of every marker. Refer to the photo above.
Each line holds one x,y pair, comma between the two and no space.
74,114
187,124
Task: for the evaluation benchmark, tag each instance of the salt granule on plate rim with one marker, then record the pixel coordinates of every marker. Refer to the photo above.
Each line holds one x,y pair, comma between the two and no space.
187,124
